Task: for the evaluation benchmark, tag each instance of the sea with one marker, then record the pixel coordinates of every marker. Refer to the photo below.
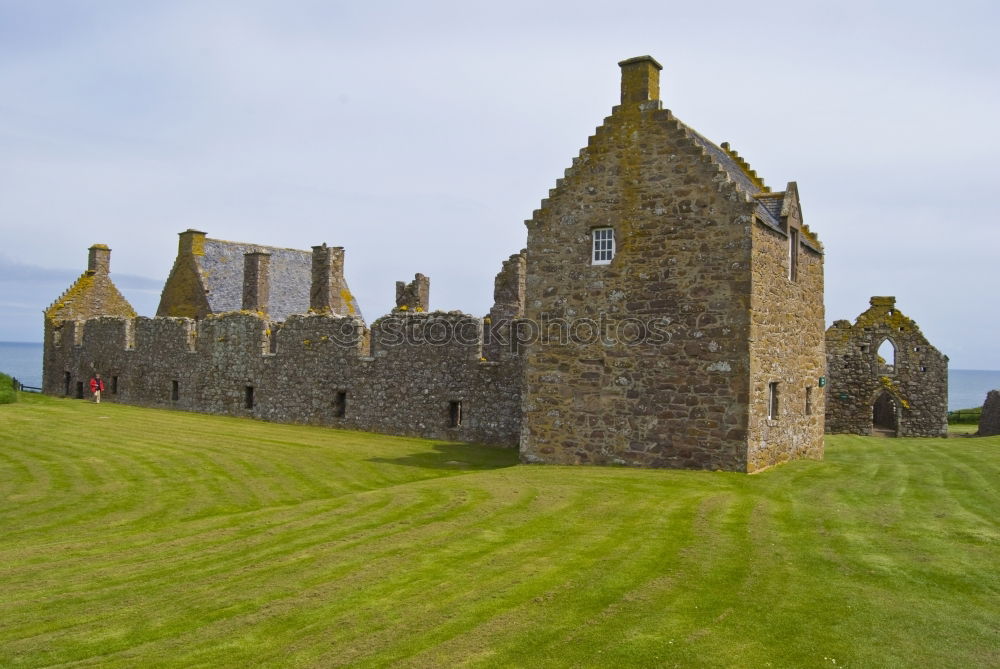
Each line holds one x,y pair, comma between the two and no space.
967,388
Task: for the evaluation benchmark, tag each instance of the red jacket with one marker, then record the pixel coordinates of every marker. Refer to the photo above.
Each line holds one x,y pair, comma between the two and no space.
96,384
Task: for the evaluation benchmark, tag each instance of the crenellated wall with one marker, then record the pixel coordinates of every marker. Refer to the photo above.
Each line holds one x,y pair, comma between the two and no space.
420,374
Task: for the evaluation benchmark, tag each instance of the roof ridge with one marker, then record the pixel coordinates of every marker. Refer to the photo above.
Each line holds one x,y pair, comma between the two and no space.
261,246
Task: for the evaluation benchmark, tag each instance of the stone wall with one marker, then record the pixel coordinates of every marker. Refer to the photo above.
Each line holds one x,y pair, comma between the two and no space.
425,375
786,335
913,387
989,421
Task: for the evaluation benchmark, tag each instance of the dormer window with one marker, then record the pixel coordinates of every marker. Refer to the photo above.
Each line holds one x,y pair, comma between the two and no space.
604,246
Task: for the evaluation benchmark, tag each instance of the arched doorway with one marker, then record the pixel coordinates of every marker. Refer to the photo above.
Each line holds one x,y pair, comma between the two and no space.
885,417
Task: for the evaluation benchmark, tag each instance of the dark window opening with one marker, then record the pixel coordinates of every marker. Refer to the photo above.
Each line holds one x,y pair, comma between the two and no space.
772,400
248,397
793,255
340,404
809,404
864,348
66,381
79,390
455,414
923,369
175,391
114,385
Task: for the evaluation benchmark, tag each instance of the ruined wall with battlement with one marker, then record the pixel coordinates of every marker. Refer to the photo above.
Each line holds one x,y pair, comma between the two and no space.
411,374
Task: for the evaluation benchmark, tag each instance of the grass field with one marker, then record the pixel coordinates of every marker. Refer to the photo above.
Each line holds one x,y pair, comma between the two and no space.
139,538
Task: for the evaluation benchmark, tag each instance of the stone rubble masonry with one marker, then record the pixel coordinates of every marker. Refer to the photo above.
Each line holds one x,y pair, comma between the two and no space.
702,270
989,421
507,310
256,280
416,368
326,294
916,382
415,295
664,357
92,294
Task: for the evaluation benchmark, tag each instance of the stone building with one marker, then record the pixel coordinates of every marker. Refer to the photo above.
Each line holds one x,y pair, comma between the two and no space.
212,276
989,420
885,377
705,290
667,312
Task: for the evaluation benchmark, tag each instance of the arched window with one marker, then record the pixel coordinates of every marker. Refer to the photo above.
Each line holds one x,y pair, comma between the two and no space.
887,355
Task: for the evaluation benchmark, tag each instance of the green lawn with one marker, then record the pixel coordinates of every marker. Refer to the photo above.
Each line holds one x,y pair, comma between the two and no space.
140,538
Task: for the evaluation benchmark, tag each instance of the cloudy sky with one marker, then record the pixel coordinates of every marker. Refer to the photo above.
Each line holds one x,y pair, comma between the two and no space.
421,135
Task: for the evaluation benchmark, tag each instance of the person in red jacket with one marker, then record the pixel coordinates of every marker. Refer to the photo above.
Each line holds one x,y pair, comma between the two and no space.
97,387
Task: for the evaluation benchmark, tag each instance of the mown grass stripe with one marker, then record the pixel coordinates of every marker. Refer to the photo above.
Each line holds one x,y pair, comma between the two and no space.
194,540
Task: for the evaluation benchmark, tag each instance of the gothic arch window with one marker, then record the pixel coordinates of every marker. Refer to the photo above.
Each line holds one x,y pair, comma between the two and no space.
887,355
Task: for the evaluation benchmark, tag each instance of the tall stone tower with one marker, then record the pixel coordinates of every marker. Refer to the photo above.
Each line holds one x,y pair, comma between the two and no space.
675,303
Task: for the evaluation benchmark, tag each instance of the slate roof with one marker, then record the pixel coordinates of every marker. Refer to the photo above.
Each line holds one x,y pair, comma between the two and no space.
768,209
290,272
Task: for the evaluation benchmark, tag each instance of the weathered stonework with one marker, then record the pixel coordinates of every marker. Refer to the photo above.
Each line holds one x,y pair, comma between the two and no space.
695,314
319,371
906,396
415,295
699,344
989,420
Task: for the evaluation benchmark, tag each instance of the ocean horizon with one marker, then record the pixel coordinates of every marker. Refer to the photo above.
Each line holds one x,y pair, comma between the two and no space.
967,388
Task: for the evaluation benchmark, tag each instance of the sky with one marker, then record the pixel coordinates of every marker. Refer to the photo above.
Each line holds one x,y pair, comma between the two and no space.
420,136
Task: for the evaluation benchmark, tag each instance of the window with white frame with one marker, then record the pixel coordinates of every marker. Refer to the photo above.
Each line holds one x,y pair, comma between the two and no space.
604,246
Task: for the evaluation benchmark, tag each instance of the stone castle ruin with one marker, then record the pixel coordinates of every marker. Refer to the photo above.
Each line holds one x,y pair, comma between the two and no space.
885,377
666,312
989,419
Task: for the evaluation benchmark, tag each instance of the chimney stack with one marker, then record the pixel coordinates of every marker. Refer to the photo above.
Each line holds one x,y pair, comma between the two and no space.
99,260
256,280
192,242
640,80
326,295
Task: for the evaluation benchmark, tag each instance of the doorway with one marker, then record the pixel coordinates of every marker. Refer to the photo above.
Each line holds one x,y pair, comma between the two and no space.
885,417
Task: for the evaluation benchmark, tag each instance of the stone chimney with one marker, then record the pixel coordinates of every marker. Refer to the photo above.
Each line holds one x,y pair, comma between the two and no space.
640,80
192,242
99,260
256,280
883,301
415,296
327,292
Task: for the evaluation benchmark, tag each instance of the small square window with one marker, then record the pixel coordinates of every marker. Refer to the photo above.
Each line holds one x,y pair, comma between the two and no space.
603,245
